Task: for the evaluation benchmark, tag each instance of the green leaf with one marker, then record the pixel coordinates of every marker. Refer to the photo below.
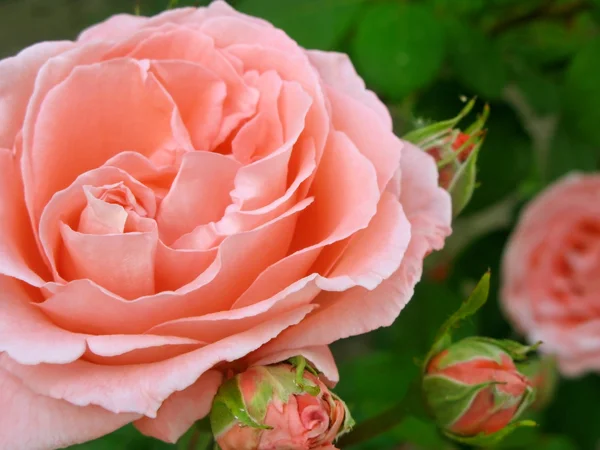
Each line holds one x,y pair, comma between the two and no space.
476,61
582,92
398,47
425,134
229,408
475,301
317,24
448,399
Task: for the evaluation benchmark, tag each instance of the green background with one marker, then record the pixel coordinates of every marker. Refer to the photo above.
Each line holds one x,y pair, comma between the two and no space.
536,62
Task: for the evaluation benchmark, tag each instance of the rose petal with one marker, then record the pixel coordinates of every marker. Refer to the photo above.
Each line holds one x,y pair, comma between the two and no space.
17,78
368,133
346,196
67,205
37,422
27,336
182,409
358,310
189,45
214,290
339,73
19,256
115,27
143,388
199,194
121,263
131,111
199,95
136,349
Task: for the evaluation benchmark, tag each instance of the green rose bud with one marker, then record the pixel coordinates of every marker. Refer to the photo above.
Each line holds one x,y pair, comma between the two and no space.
473,387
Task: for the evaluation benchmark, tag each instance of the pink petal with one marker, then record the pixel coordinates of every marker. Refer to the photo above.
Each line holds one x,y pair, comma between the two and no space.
37,422
339,73
190,45
374,253
358,310
368,132
199,95
115,27
182,409
427,206
17,78
177,267
228,27
214,290
294,67
346,197
26,334
131,112
216,326
19,255
263,181
199,194
143,388
136,349
67,205
121,263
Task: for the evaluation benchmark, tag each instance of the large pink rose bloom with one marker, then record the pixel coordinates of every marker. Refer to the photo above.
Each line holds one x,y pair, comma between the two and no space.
184,192
551,272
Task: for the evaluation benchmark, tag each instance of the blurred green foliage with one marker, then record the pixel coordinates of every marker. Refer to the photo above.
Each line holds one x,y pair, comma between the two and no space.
537,62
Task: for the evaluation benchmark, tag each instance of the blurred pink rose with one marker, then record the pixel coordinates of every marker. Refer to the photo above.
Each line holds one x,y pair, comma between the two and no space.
182,192
551,273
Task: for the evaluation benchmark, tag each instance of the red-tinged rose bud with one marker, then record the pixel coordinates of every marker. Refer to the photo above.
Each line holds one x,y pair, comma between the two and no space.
473,388
543,376
277,407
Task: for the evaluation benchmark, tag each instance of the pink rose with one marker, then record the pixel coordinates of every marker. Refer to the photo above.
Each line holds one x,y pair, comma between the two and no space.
279,413
183,192
551,273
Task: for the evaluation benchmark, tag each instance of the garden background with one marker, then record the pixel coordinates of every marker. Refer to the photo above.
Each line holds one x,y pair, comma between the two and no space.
536,62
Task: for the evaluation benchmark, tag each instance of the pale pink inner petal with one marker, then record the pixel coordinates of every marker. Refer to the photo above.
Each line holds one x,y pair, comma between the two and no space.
131,112
70,206
189,45
199,95
199,194
214,290
121,263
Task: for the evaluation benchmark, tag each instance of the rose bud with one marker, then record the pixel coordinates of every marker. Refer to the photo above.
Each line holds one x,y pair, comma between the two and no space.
543,376
277,407
473,387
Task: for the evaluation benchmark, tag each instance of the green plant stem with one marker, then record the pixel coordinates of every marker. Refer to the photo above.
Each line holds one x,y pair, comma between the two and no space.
374,426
